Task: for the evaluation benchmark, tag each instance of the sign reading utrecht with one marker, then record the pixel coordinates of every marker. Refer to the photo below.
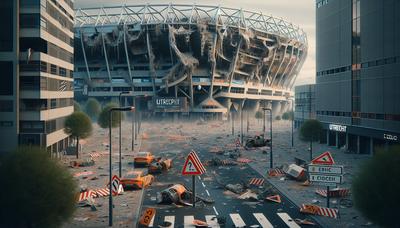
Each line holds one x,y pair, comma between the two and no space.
169,103
337,127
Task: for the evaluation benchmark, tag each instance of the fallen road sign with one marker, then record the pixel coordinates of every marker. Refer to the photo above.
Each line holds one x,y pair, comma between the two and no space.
325,178
275,198
147,216
316,210
325,169
115,182
324,159
192,165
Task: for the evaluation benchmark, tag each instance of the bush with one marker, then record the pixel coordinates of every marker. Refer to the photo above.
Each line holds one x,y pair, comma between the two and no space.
376,188
36,190
103,119
288,115
278,118
259,115
93,108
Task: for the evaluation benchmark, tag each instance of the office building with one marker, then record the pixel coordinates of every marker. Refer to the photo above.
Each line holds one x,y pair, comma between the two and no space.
304,96
358,73
36,60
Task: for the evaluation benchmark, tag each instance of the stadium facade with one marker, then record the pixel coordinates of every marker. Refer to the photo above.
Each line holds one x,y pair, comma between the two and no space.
214,59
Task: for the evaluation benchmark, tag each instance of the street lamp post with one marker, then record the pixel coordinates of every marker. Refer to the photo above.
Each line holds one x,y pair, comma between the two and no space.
120,138
120,109
292,116
241,123
270,119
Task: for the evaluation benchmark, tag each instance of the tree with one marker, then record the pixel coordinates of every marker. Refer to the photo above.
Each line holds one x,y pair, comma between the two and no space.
287,115
310,130
77,107
37,191
259,115
93,108
103,119
376,188
78,125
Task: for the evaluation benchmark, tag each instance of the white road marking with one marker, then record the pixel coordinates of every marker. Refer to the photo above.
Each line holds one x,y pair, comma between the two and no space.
152,221
263,220
199,177
213,223
237,220
203,184
215,210
288,220
170,219
207,192
188,221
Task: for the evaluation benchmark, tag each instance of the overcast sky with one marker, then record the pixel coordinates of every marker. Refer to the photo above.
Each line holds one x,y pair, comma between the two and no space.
300,12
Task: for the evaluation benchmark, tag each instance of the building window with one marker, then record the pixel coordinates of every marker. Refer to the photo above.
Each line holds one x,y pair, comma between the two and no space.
6,123
53,103
31,127
6,25
7,78
356,63
6,106
53,69
31,20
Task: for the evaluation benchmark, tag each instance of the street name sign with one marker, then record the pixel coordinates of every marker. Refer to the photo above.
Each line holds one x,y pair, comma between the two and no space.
193,166
323,159
325,169
325,178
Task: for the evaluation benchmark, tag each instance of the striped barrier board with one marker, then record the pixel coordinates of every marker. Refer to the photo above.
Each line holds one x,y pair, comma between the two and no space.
84,195
257,181
317,210
94,155
338,192
101,192
275,172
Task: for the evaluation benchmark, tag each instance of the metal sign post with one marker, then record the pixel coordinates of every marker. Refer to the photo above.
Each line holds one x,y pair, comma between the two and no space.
193,167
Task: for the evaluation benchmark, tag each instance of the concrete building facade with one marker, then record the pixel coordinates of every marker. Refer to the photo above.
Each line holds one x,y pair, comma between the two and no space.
36,61
358,73
304,96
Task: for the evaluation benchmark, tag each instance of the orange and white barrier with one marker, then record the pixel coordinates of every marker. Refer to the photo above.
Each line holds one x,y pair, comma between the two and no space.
317,210
337,192
94,155
243,160
85,195
275,172
257,181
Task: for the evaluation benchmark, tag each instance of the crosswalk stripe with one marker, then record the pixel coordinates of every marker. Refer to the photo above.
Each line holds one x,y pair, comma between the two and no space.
237,220
170,219
188,221
213,223
288,220
262,220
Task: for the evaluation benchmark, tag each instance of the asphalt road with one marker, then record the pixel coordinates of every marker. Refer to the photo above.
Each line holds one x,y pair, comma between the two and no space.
238,212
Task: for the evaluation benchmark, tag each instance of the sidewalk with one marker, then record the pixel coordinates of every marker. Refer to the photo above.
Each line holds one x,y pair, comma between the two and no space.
126,206
283,153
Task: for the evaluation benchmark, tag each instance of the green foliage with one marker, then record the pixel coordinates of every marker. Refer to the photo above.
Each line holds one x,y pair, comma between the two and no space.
36,190
78,124
376,188
93,108
77,107
310,130
288,115
278,118
259,115
103,119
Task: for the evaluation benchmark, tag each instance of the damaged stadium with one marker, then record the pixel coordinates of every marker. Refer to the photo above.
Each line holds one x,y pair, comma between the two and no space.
217,59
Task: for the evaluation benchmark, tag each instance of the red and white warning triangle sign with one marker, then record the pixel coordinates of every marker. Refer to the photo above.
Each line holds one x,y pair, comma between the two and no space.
274,198
193,166
324,159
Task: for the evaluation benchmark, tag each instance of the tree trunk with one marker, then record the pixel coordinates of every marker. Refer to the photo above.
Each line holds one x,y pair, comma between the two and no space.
77,147
311,155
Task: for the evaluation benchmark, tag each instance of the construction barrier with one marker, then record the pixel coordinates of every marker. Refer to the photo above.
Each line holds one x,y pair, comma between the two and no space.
257,181
317,210
243,160
275,172
94,155
336,192
85,195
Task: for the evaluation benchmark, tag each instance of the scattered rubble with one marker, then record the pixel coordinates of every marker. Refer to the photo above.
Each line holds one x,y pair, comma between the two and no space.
257,141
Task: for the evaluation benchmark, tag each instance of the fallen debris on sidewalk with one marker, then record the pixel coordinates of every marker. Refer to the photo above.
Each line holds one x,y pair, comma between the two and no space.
304,222
257,141
86,173
317,210
178,194
276,172
81,163
295,171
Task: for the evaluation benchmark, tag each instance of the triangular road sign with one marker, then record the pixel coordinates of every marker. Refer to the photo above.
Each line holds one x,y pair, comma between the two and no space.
275,198
324,159
193,166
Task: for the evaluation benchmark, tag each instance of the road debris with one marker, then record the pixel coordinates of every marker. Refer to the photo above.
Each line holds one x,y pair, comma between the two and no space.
160,165
276,172
179,194
304,222
199,223
86,173
274,198
317,210
257,141
295,171
336,192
